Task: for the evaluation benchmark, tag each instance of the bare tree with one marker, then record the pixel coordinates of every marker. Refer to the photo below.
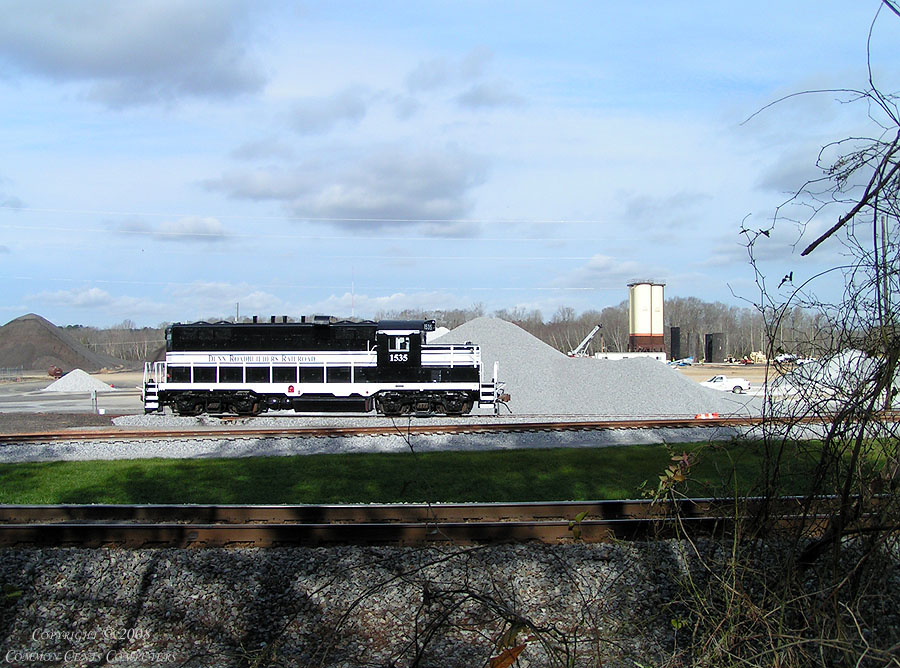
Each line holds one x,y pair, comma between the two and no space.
809,580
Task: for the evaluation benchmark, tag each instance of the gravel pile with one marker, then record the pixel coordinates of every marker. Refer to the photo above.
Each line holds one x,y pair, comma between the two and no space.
544,381
340,606
78,381
33,342
843,375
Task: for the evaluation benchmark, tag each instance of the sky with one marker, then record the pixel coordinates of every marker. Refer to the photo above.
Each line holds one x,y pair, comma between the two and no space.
176,160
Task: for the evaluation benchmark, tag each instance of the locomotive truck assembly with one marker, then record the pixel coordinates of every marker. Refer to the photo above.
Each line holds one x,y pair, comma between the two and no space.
318,366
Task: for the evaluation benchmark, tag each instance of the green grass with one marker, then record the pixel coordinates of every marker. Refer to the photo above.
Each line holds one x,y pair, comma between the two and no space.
518,475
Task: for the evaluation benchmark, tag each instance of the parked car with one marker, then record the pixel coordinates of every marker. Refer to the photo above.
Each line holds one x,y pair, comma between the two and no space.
725,384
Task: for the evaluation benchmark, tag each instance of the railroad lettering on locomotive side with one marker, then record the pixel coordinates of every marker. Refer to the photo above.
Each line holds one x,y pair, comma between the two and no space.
260,359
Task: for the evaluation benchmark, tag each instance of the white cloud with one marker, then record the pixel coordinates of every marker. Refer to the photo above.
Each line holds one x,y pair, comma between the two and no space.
269,147
436,73
11,202
319,115
201,299
390,186
187,228
133,52
603,271
93,300
366,306
192,228
488,95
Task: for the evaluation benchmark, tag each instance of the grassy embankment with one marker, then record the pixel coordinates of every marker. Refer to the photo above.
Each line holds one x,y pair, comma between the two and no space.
519,475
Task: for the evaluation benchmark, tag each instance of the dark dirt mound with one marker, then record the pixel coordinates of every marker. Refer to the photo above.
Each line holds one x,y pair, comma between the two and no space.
25,423
35,343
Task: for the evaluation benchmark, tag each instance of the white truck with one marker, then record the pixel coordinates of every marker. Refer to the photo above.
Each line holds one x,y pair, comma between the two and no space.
725,384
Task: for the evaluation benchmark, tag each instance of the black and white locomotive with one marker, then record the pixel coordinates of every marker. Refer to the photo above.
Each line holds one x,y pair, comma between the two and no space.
315,366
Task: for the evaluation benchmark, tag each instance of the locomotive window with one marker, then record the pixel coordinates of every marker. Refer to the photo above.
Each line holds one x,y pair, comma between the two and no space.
311,374
179,374
366,374
398,344
338,374
257,374
204,374
231,374
284,374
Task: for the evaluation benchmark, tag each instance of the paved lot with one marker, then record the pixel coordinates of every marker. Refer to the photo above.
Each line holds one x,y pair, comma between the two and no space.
27,396
755,373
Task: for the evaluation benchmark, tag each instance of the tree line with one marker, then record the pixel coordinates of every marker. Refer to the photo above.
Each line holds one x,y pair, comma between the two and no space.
746,329
125,340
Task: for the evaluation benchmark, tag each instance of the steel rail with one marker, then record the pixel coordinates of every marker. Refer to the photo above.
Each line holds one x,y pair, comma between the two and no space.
117,433
278,535
352,513
399,524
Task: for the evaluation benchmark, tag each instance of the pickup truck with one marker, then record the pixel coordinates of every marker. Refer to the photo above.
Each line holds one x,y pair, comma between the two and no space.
736,385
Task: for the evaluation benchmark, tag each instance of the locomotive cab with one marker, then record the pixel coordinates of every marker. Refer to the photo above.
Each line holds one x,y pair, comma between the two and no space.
397,352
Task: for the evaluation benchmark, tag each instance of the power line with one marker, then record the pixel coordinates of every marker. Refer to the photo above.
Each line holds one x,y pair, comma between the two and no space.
313,219
279,286
187,236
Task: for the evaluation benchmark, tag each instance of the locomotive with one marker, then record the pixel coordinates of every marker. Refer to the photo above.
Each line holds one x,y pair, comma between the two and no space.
315,366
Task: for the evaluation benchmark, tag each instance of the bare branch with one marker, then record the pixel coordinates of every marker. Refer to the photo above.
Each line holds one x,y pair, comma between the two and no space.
872,190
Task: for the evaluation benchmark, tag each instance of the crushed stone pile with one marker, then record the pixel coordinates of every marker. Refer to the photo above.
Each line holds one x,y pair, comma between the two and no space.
841,376
78,381
543,381
35,343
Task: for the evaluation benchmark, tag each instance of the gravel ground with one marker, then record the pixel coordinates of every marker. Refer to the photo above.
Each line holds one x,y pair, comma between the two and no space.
341,606
542,380
227,447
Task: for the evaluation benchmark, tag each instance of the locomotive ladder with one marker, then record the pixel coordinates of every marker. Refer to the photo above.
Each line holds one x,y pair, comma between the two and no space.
151,397
151,390
492,393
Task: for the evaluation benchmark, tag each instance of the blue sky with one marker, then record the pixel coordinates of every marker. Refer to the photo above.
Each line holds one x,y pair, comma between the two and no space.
169,160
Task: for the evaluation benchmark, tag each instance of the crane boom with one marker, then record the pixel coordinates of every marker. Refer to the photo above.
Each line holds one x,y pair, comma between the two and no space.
579,350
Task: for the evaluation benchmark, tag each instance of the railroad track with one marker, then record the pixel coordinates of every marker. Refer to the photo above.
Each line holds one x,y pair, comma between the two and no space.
404,524
462,427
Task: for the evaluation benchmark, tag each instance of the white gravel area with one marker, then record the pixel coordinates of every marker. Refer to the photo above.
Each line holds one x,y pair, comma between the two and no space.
237,446
338,606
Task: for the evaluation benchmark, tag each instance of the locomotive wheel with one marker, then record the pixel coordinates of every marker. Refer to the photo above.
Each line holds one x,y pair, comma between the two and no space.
190,409
247,407
388,409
